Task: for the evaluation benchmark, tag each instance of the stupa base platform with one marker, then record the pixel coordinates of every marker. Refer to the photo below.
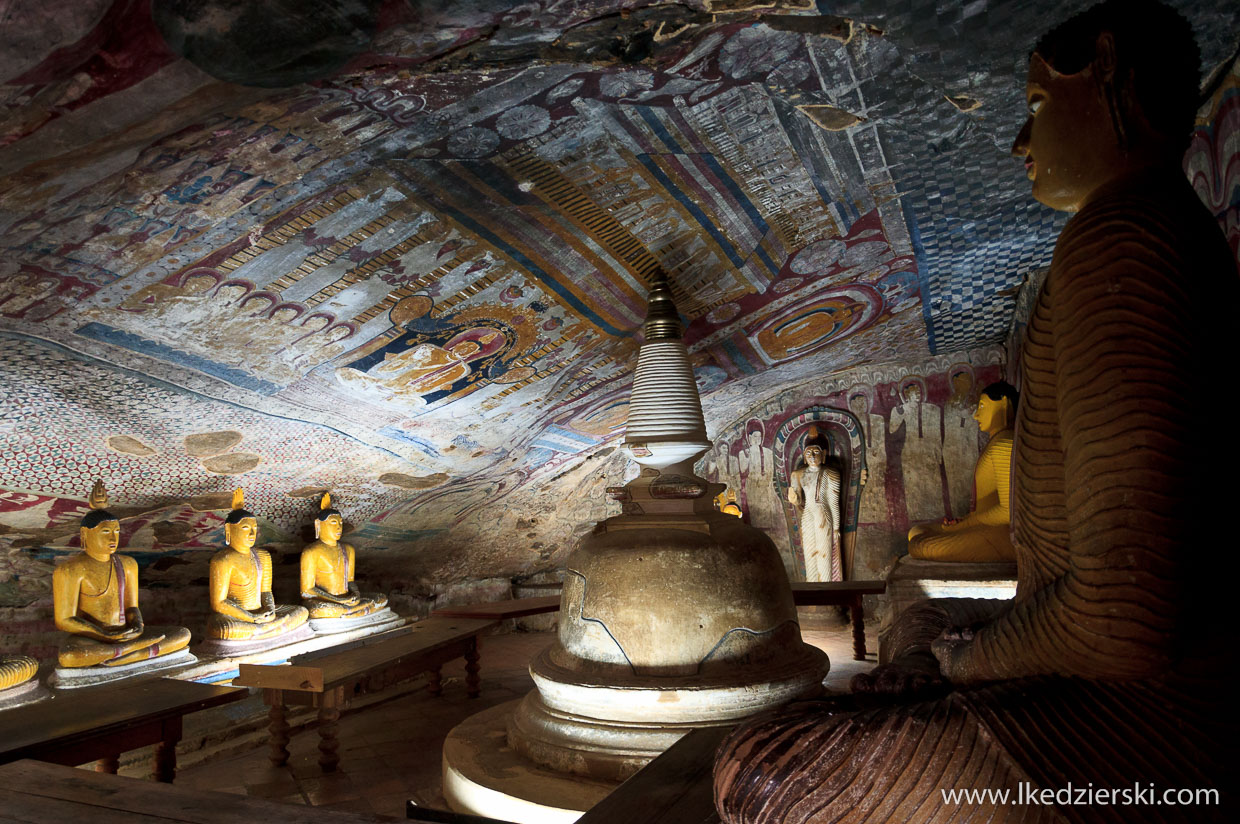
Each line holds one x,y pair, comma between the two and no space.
380,621
19,696
68,678
483,776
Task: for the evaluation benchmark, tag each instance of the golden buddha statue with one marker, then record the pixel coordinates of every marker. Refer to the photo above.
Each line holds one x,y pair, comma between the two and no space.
95,600
328,567
984,534
16,670
243,608
1111,667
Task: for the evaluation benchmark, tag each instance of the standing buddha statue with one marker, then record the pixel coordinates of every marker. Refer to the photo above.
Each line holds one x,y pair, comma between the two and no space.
95,601
243,608
984,534
328,567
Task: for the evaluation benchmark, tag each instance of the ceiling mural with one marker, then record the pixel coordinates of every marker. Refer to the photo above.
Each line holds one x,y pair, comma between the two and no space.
402,252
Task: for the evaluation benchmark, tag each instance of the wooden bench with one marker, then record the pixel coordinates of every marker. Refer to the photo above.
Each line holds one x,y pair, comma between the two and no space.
840,593
329,679
35,793
100,723
499,610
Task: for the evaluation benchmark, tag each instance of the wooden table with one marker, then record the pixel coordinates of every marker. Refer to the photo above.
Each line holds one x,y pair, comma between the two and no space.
36,793
100,723
840,593
329,679
499,610
675,788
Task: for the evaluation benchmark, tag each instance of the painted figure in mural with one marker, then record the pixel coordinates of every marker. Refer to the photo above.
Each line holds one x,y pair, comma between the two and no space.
242,606
1112,665
328,567
960,441
95,600
873,504
762,498
16,670
814,489
985,534
922,455
426,368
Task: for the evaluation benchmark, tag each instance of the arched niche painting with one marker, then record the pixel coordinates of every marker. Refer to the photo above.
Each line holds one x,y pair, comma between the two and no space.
846,449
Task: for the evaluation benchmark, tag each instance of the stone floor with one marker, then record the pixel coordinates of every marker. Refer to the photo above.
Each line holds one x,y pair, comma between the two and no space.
390,751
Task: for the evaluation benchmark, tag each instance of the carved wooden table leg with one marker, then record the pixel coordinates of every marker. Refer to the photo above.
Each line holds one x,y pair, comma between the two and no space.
858,629
109,764
473,684
277,727
164,767
434,683
329,714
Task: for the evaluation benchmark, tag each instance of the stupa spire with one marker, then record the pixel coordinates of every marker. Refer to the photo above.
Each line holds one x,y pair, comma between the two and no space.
665,425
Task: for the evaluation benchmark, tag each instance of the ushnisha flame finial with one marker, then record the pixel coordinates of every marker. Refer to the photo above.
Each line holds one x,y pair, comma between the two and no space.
98,496
665,425
326,501
238,498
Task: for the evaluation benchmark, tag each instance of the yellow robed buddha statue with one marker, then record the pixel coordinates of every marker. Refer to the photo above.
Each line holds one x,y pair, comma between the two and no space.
95,600
328,567
243,608
985,533
16,670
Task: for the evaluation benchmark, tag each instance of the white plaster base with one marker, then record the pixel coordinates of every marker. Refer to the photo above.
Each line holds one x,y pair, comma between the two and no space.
380,621
30,692
481,775
220,648
68,678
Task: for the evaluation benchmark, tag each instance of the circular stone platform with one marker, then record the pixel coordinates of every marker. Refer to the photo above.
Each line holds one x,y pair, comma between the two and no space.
481,775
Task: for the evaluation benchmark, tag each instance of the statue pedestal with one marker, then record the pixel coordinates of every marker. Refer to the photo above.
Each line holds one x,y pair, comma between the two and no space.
220,648
19,696
380,621
68,678
912,580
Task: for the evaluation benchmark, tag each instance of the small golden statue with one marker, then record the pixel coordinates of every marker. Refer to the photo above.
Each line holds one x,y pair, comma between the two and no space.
95,600
241,601
328,567
985,533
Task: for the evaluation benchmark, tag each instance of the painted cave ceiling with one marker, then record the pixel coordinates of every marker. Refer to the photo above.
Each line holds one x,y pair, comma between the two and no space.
399,249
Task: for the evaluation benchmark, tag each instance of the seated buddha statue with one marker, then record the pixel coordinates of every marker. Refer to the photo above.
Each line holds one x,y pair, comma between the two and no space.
327,569
1111,669
95,600
984,534
242,606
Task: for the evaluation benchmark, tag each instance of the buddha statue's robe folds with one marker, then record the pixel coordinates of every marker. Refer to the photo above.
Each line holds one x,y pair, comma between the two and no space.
16,670
1110,670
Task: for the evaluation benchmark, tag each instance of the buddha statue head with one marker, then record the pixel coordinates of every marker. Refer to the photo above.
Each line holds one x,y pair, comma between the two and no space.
817,449
996,408
240,527
1111,91
101,531
328,523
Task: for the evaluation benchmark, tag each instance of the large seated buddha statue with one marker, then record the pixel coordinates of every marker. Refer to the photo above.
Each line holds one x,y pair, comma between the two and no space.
95,601
245,615
985,533
1111,669
328,567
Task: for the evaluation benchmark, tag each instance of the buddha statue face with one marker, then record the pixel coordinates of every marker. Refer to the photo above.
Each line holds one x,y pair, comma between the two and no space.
329,529
814,455
991,415
101,540
1068,143
241,535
